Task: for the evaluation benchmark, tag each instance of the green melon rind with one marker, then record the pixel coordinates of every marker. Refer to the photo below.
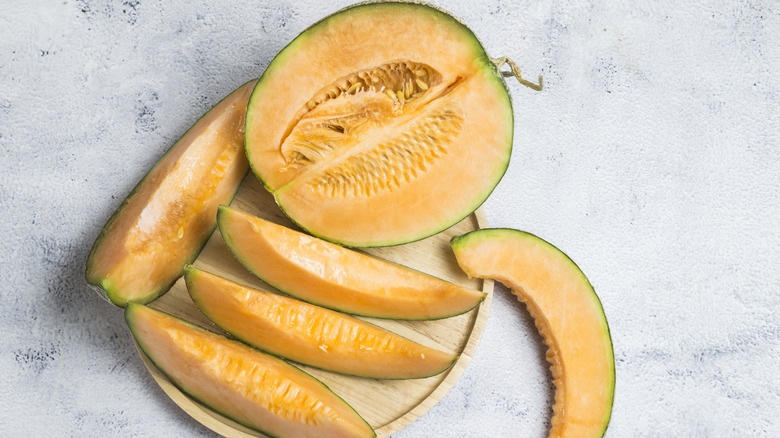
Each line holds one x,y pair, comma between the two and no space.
224,211
473,237
130,310
190,277
479,55
302,38
132,307
102,286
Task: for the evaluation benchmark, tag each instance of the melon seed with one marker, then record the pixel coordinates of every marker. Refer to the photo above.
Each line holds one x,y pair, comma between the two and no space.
393,162
421,84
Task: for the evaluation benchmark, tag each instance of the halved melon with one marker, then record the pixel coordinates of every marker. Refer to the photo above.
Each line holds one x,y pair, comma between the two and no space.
255,389
310,334
164,222
567,313
381,124
335,277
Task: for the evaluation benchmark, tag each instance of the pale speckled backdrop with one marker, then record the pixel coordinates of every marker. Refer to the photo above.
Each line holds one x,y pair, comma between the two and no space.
651,158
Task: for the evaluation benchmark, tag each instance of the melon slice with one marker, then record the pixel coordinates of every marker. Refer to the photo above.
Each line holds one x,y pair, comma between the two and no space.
166,220
567,313
252,388
331,276
310,334
381,124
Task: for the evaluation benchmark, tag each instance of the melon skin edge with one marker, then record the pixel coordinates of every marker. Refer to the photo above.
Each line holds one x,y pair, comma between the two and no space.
260,266
103,286
305,34
202,285
479,253
129,319
133,308
487,67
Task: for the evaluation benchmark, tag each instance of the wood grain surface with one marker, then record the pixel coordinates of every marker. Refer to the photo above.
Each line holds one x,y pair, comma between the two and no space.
388,405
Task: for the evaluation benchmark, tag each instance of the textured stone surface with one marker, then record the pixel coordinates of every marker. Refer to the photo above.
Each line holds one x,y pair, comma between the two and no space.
651,158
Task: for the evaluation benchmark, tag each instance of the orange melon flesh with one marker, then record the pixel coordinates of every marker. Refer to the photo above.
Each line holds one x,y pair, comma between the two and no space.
567,313
331,276
350,159
255,389
165,221
310,334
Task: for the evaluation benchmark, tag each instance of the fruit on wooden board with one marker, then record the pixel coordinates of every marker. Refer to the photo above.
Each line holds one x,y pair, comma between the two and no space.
255,389
166,220
331,276
381,124
568,314
310,334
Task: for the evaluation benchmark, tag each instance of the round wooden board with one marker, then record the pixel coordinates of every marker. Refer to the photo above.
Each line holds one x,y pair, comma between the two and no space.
388,405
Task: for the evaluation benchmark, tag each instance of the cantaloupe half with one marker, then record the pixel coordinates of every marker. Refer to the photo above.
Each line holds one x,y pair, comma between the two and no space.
310,334
167,219
381,124
255,389
568,314
331,276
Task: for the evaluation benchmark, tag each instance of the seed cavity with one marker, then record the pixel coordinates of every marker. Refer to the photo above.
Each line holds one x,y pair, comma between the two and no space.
394,76
392,163
352,100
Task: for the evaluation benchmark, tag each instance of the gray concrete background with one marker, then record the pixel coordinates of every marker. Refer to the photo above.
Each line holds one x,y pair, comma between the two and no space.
651,158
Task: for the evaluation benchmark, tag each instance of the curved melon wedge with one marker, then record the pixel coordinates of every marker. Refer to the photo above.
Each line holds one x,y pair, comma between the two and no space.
310,334
332,276
166,220
255,389
567,313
